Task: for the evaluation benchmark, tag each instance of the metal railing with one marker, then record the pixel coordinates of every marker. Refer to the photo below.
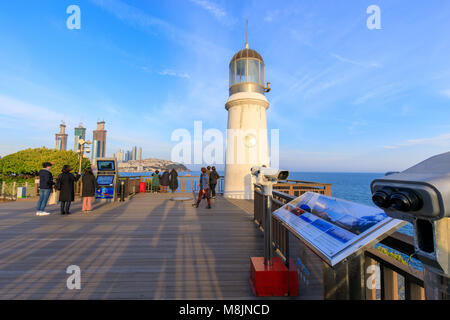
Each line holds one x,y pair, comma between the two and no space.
390,268
186,184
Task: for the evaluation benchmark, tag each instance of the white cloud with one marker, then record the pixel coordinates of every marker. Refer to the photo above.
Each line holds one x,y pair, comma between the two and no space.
30,113
212,7
357,63
442,140
172,73
216,10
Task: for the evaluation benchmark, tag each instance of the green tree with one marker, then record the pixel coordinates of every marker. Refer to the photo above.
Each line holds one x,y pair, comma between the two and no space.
26,164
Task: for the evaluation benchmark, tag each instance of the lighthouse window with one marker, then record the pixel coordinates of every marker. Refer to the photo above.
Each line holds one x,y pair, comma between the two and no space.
240,71
232,74
253,71
261,76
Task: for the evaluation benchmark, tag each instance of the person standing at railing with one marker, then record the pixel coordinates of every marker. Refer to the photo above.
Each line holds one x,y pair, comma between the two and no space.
89,187
165,179
155,182
173,184
45,186
204,189
66,184
213,177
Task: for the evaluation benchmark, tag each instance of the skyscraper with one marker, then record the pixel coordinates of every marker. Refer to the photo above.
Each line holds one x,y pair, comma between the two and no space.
99,141
134,153
79,133
119,155
61,138
139,154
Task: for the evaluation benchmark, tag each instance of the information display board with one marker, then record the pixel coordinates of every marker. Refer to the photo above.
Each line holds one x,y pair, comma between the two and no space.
105,180
335,228
106,165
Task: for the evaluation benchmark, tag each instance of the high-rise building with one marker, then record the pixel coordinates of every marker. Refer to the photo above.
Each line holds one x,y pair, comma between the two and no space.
61,138
127,156
99,141
134,153
79,133
119,155
139,154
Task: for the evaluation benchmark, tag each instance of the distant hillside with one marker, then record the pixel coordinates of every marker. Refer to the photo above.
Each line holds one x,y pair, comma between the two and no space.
150,165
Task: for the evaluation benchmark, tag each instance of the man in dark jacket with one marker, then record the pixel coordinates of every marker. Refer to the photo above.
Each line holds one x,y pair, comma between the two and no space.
45,188
213,177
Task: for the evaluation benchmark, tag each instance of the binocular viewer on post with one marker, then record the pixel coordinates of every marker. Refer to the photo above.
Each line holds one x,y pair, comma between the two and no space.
265,174
421,195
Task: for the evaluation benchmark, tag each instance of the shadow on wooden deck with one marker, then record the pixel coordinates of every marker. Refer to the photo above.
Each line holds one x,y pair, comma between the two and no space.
146,248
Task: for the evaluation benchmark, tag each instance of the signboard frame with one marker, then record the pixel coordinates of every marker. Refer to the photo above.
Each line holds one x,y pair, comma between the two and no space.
366,239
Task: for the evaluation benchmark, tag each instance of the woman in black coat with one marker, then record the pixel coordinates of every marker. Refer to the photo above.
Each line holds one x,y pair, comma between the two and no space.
89,186
165,181
173,184
65,185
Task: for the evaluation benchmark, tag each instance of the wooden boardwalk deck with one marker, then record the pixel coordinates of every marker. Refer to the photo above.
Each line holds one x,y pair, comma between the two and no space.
146,248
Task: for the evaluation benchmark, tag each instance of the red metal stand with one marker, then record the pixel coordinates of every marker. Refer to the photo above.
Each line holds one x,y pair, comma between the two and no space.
275,280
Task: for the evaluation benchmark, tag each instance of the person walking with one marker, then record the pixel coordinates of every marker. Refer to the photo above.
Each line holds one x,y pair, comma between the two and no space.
165,180
213,177
173,183
155,182
89,186
45,188
66,185
204,189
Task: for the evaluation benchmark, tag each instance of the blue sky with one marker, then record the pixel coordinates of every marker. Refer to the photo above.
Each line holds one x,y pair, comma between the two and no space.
344,97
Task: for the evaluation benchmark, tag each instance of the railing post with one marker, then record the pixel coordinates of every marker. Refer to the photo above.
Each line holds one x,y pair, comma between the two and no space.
390,285
416,292
371,291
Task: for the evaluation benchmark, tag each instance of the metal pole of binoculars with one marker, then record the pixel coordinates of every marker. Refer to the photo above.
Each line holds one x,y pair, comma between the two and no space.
268,252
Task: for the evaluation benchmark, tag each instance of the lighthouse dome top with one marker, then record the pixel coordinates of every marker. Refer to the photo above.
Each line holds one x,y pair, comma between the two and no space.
247,72
246,53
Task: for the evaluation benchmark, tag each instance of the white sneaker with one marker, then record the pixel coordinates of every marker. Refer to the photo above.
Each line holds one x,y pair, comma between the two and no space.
38,213
43,213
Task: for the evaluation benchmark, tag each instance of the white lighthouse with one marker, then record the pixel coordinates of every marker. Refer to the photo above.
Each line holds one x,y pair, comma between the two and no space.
247,143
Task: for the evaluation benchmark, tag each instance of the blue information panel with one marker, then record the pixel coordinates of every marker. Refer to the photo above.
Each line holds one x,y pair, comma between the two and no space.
335,228
104,193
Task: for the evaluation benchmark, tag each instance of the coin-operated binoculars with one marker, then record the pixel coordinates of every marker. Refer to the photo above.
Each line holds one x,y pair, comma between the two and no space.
421,195
266,178
269,276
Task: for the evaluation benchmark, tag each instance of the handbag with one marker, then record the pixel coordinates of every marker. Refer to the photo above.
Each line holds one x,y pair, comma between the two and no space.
52,199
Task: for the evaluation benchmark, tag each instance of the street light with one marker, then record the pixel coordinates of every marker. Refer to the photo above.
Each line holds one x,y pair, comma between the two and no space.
82,144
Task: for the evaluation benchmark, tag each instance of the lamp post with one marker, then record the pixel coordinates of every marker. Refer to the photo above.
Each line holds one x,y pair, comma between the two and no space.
81,151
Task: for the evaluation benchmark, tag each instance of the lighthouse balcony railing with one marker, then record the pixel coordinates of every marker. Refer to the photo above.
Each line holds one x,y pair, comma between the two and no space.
397,280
